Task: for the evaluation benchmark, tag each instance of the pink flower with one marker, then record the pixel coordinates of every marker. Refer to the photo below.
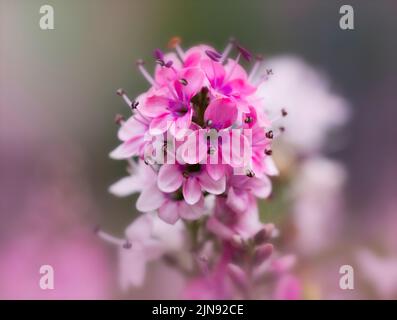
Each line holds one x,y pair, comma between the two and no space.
316,192
221,113
230,80
313,108
193,179
132,132
167,69
212,161
171,107
171,206
227,223
148,238
243,190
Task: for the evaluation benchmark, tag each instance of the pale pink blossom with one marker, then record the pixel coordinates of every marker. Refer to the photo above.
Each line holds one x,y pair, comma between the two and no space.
316,203
147,239
193,179
313,108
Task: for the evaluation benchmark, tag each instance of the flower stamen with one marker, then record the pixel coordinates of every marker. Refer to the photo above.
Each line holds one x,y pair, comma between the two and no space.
125,243
174,43
145,73
227,50
259,59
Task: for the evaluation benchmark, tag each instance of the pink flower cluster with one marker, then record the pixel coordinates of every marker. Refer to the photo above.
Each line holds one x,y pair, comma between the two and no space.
198,145
193,127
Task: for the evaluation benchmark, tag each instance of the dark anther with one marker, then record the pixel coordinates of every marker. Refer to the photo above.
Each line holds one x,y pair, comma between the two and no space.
183,81
140,62
165,145
268,152
158,54
160,62
248,119
120,92
269,71
250,173
244,52
269,134
134,104
118,119
282,129
284,112
169,64
213,55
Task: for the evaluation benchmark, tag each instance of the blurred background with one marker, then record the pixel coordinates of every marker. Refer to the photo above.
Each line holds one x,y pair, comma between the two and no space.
58,102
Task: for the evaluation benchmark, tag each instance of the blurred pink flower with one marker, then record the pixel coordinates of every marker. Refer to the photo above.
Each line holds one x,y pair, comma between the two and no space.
193,179
148,238
316,203
313,109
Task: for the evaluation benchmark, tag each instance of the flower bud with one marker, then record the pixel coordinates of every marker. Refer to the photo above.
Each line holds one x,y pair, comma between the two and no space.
262,253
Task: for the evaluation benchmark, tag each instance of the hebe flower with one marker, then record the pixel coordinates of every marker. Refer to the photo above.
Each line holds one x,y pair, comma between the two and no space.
202,104
198,146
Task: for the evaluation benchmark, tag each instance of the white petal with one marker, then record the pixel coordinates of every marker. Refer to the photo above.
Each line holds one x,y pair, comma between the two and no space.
126,186
169,212
169,178
150,199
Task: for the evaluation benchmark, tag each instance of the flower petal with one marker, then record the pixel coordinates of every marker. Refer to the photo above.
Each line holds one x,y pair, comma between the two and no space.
271,168
191,190
154,106
165,75
132,128
150,199
170,178
221,113
195,78
214,72
261,188
215,171
127,149
140,229
238,72
160,125
237,202
132,267
193,212
169,212
241,87
218,228
210,185
126,186
194,149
